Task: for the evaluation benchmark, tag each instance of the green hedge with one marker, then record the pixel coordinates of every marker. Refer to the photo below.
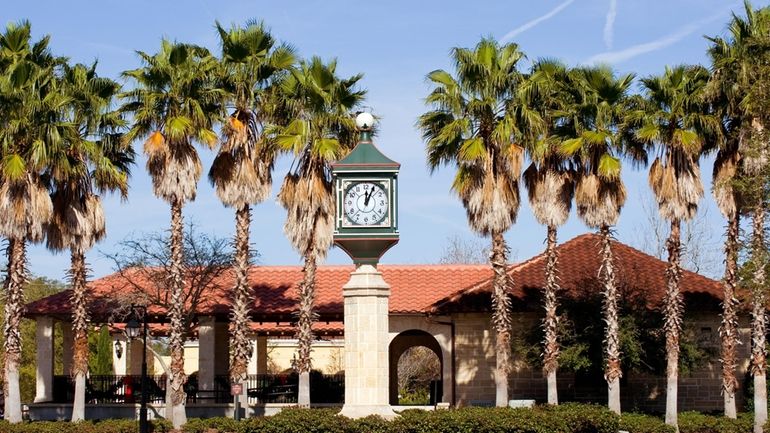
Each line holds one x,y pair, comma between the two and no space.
106,426
639,423
566,418
695,422
689,422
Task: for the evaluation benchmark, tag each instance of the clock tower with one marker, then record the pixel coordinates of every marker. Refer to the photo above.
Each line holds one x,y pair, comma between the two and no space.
366,188
366,225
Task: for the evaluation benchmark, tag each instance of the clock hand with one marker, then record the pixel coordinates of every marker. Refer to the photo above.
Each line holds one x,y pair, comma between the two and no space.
367,197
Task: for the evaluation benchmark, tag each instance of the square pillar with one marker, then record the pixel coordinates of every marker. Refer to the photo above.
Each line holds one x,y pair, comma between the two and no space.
44,359
67,341
366,297
206,353
135,348
221,348
258,361
119,365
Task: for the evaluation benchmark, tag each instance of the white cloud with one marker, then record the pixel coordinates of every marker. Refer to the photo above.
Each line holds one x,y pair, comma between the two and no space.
532,23
609,24
655,45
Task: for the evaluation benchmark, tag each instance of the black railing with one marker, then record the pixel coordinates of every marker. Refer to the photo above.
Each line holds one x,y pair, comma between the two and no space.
260,388
111,389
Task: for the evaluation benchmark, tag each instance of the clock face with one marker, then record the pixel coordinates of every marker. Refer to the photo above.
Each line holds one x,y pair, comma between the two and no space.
365,204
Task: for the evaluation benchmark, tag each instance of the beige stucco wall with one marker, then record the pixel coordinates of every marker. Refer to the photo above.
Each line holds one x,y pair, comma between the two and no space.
190,359
328,355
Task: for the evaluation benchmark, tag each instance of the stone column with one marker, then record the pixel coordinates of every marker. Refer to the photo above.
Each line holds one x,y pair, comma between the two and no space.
119,363
44,361
67,340
252,367
258,361
366,344
222,349
135,348
206,352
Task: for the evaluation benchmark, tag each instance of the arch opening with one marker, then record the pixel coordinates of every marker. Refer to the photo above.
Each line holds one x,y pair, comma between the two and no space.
416,369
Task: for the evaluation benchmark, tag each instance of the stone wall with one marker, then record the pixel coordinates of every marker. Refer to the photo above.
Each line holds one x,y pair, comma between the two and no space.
698,390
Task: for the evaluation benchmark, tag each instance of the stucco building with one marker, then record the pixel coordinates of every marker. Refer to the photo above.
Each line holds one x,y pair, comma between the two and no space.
445,308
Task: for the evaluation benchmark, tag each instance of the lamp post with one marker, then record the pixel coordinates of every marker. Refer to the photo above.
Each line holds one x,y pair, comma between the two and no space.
133,330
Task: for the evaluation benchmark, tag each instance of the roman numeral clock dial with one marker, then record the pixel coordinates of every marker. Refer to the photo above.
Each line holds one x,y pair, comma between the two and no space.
366,204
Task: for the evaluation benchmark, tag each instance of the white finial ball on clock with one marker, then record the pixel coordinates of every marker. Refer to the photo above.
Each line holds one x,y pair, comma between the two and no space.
364,121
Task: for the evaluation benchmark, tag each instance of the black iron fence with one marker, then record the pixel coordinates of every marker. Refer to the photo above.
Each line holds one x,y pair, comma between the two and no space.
260,388
111,389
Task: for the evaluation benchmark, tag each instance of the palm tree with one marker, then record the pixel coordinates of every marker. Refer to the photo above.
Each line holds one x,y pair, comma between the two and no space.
674,122
476,124
550,190
93,160
593,142
729,90
320,130
242,170
31,127
174,104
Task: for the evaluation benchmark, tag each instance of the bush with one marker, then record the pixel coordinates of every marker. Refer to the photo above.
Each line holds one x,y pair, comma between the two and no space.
105,426
568,418
222,424
695,422
639,423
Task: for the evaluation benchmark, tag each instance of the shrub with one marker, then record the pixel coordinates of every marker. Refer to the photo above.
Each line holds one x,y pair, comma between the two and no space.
639,423
105,426
695,422
222,424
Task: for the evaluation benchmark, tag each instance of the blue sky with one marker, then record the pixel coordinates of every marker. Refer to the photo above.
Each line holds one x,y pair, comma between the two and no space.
395,44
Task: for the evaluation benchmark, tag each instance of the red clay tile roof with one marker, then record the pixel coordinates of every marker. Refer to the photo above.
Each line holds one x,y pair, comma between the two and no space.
578,268
415,289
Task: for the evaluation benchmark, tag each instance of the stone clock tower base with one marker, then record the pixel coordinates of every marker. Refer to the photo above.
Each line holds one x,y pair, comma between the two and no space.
366,344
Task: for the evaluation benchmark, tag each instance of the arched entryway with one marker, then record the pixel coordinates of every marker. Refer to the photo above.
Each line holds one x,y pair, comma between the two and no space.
399,345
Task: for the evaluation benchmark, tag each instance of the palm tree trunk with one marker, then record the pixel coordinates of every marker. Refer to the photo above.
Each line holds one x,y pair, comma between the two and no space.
729,329
176,317
612,371
16,277
79,332
240,351
551,321
501,318
305,320
758,322
672,321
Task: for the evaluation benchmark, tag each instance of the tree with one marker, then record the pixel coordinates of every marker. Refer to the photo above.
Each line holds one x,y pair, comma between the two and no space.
174,104
319,131
242,171
417,367
93,160
463,251
699,242
550,188
144,263
31,127
733,60
475,124
100,344
673,121
36,288
593,142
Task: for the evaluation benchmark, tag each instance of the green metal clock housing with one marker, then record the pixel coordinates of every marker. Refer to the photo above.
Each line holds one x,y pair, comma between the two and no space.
366,192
